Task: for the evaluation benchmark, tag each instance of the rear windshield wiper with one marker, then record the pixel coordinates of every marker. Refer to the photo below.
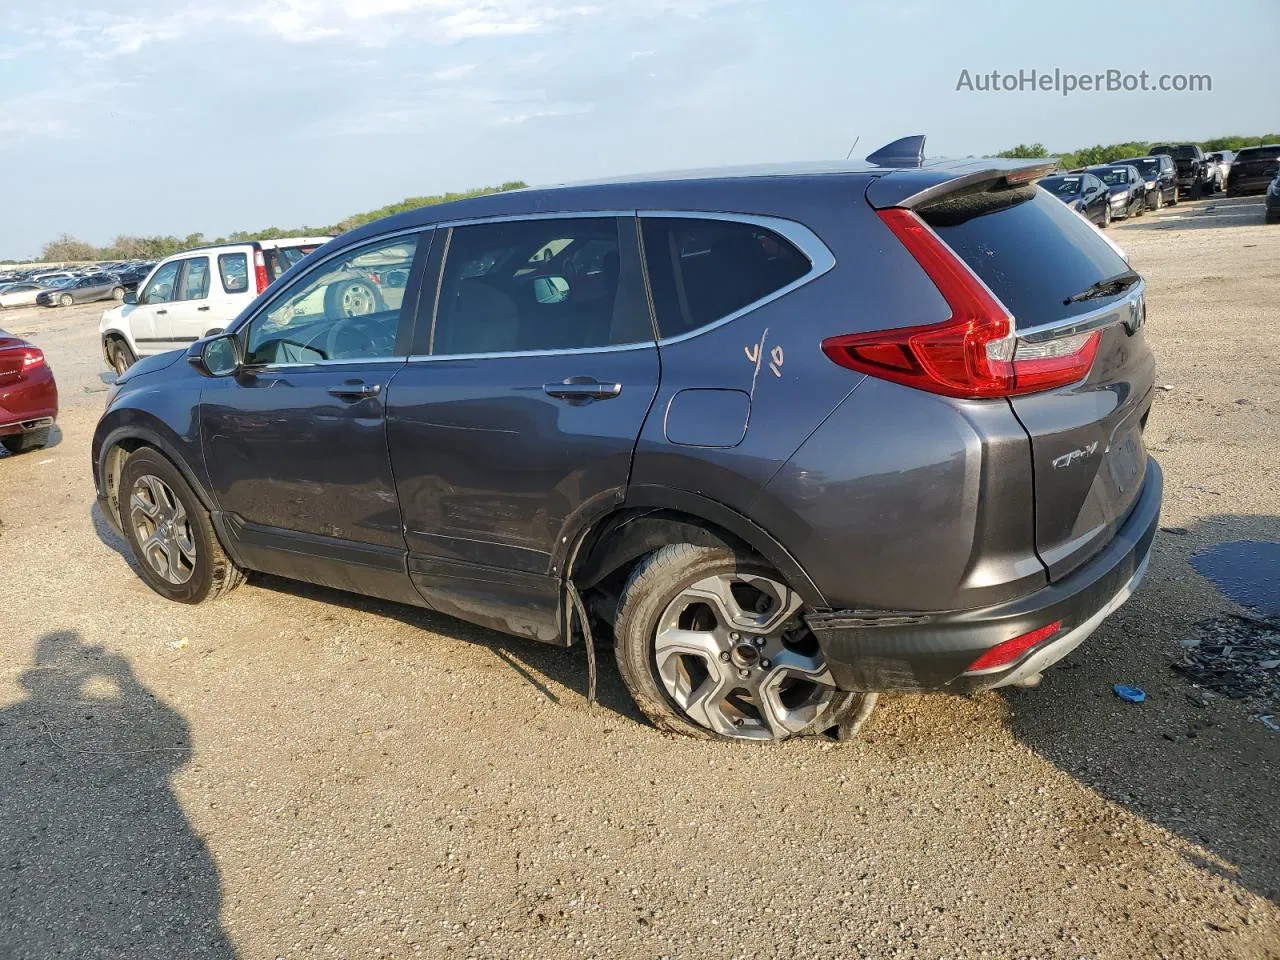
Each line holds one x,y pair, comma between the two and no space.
1106,288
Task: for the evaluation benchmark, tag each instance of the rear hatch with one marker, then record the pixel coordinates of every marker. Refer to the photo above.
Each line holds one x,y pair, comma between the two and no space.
1063,282
1258,165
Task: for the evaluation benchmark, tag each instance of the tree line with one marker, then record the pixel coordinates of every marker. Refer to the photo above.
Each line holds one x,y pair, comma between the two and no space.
125,247
1100,153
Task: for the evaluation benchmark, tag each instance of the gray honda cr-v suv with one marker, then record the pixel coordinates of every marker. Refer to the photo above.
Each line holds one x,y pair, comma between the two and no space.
794,435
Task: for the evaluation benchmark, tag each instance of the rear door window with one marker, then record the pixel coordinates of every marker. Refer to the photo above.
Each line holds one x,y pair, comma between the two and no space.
537,285
701,271
234,271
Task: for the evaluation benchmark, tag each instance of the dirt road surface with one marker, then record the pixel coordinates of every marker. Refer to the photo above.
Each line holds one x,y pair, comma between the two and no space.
293,772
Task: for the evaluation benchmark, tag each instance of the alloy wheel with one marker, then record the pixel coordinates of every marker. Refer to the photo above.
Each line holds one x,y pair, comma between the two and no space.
358,300
735,656
162,529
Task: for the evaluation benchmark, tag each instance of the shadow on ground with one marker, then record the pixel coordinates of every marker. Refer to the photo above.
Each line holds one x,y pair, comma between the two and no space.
97,858
1216,211
1207,771
533,661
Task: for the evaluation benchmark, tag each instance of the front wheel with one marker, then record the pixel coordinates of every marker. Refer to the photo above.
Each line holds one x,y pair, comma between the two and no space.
117,293
1159,204
170,533
1106,215
712,644
122,357
65,300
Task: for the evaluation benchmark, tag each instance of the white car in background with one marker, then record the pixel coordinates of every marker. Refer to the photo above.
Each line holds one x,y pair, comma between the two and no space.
194,293
20,294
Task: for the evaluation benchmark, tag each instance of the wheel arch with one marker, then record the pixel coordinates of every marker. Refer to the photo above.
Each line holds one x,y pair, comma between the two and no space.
118,443
653,517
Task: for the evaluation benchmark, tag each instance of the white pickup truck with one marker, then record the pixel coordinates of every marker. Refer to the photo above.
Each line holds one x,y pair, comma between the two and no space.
193,293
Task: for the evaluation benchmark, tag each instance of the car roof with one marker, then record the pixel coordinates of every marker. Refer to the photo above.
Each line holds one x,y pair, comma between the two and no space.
738,189
264,244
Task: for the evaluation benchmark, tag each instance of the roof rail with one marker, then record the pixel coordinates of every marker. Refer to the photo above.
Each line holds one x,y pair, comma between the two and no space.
904,152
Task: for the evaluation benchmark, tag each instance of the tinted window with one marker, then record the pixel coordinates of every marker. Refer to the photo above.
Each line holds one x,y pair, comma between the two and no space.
339,311
234,270
1114,176
703,270
1062,186
1031,250
160,288
282,258
1257,153
551,284
195,279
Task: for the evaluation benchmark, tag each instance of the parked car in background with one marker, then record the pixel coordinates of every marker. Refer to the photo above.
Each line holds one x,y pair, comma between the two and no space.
1253,169
99,286
1222,167
28,395
21,294
1194,175
1273,200
1161,177
1084,193
53,278
669,425
130,276
1127,188
190,294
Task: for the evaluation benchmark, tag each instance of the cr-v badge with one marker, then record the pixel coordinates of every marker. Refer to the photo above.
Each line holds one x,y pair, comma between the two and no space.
1067,459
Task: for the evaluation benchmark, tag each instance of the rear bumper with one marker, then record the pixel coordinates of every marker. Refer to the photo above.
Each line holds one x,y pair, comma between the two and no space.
29,404
927,651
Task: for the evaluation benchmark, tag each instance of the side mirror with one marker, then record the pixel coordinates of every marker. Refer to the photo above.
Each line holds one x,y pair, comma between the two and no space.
130,297
218,356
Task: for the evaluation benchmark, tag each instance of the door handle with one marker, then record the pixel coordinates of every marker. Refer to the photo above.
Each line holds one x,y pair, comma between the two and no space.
581,389
355,390
202,309
161,312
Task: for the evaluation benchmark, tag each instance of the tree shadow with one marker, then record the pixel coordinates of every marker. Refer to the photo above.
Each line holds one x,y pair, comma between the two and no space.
1200,766
98,858
1212,212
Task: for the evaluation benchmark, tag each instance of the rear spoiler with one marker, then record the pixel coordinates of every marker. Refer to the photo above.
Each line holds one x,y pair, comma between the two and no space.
921,187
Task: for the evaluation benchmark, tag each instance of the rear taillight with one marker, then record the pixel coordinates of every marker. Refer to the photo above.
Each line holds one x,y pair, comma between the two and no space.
17,362
260,271
974,353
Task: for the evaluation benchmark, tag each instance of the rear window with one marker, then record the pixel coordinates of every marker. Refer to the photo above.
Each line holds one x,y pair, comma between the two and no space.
1258,153
282,258
1031,250
701,271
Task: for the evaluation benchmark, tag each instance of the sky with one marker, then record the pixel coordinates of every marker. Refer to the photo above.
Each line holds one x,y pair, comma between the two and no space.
167,117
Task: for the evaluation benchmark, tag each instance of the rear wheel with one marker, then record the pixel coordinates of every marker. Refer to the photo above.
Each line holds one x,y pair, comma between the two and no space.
25,442
712,644
170,533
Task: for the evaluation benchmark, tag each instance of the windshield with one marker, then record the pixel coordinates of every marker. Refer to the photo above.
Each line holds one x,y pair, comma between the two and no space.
1113,176
1062,186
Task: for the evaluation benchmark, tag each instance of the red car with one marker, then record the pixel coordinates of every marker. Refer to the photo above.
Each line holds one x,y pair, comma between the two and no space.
28,395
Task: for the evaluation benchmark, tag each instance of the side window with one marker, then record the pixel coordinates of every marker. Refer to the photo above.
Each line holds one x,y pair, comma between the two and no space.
703,270
543,284
161,286
234,270
194,284
341,310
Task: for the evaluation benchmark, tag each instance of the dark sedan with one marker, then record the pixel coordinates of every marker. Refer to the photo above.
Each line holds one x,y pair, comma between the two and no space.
1253,169
1161,176
99,286
1083,193
1127,188
1273,200
130,276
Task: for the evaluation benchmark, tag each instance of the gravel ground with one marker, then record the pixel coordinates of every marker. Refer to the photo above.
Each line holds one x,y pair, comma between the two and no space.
294,772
